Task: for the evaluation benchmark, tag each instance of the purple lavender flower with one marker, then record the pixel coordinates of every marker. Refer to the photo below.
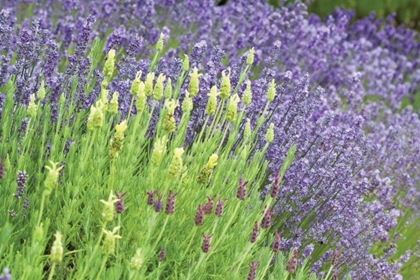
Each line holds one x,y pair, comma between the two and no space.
20,181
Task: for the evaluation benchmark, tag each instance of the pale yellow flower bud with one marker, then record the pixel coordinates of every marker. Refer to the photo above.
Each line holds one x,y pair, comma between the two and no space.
225,86
109,207
271,92
108,245
159,150
250,57
187,103
136,262
52,177
32,107
41,91
113,105
175,167
193,86
148,84
212,102
232,108
186,63
269,136
159,44
134,90
57,249
109,66
158,90
247,96
168,88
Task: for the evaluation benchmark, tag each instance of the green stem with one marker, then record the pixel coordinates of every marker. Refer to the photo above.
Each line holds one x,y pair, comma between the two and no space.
52,271
102,267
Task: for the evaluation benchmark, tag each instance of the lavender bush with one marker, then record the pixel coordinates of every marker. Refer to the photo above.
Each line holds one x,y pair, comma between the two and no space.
353,184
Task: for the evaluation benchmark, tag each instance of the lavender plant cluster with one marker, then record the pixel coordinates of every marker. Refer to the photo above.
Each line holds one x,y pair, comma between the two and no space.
347,150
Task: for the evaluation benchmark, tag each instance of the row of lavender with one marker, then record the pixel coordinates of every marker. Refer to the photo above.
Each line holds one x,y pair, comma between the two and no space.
355,170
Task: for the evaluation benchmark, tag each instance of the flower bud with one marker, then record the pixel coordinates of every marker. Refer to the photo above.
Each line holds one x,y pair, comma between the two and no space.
113,104
134,90
109,209
41,91
57,249
148,84
175,167
117,141
52,177
232,108
32,107
186,63
252,270
212,102
271,92
159,43
292,263
225,86
193,86
141,98
108,245
96,116
269,136
250,57
187,103
169,124
159,150
205,246
207,170
247,96
109,65
158,90
136,261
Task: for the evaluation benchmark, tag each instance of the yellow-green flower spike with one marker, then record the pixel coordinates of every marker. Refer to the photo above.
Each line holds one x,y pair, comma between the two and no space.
134,89
247,129
109,207
32,107
109,66
141,98
171,105
225,86
193,86
148,84
57,249
187,103
136,261
207,170
271,92
250,57
159,150
247,96
212,102
186,63
232,108
108,246
41,91
159,43
175,167
158,90
117,141
52,177
96,116
168,88
113,104
169,123
103,95
269,136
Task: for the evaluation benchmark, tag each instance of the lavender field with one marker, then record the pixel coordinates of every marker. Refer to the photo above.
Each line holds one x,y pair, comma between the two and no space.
166,139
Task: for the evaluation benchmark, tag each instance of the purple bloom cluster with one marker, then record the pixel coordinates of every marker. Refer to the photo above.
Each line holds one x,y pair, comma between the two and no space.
348,150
